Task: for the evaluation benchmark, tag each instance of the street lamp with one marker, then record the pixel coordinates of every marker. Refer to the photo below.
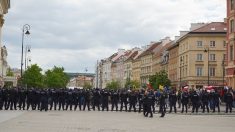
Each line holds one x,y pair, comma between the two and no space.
25,30
180,70
223,71
206,50
27,59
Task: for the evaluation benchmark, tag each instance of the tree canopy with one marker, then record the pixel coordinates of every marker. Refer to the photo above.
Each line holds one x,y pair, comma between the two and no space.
56,78
114,85
160,78
33,77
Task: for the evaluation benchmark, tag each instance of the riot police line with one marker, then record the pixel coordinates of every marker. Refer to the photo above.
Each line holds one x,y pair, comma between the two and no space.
120,100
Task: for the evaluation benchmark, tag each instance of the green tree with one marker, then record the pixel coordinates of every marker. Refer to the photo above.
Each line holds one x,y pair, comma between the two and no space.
9,72
132,84
56,78
114,85
160,78
87,86
33,77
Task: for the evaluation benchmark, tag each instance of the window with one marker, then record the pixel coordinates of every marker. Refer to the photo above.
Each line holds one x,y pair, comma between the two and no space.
231,26
212,43
232,4
199,43
212,57
199,57
225,45
212,71
224,58
231,53
199,71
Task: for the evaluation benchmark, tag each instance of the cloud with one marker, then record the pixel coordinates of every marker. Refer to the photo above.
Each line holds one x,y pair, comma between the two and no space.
75,33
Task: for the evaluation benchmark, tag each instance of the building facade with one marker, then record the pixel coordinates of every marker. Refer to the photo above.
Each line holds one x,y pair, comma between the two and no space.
4,6
230,60
173,65
201,55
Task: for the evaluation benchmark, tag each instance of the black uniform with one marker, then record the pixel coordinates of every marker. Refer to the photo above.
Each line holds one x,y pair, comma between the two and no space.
173,99
105,100
132,100
124,102
148,105
1,99
86,99
195,101
69,99
96,99
61,99
114,100
43,100
140,99
205,101
216,101
184,101
228,99
22,98
163,104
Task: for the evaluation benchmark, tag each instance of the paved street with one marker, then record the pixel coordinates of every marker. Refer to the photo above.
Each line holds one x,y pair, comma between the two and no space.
95,121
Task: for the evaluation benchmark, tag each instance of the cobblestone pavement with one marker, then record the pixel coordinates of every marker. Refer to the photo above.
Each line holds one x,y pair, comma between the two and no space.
97,121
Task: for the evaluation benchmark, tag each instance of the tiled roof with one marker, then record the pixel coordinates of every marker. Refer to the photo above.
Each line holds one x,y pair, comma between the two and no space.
211,27
150,49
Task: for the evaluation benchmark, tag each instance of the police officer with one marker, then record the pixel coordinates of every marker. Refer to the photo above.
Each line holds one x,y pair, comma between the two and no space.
195,101
162,102
61,99
54,98
185,101
140,99
43,100
69,99
105,100
173,99
76,98
123,96
87,100
132,100
1,99
152,95
205,101
114,99
96,99
216,100
22,98
228,99
148,104
13,98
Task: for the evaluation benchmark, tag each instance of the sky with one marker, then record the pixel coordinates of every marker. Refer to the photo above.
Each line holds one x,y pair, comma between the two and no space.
74,34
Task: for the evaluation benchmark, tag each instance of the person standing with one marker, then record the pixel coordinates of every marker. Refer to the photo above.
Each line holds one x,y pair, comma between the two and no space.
205,101
123,96
228,99
184,101
173,99
163,104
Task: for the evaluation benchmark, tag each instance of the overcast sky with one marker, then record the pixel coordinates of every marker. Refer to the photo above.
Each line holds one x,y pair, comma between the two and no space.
76,33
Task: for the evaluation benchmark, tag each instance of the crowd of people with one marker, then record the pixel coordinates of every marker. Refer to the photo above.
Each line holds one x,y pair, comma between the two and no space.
142,100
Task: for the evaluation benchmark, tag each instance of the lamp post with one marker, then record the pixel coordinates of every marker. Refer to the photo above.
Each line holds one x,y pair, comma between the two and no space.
180,70
223,71
27,50
207,50
25,30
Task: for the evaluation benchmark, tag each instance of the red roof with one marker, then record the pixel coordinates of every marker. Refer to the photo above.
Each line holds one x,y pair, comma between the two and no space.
211,27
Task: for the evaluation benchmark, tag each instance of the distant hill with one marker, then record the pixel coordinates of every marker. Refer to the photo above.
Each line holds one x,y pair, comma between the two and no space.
71,75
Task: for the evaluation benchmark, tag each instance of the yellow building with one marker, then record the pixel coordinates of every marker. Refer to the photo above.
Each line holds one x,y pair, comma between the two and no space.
146,63
201,54
136,67
173,65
